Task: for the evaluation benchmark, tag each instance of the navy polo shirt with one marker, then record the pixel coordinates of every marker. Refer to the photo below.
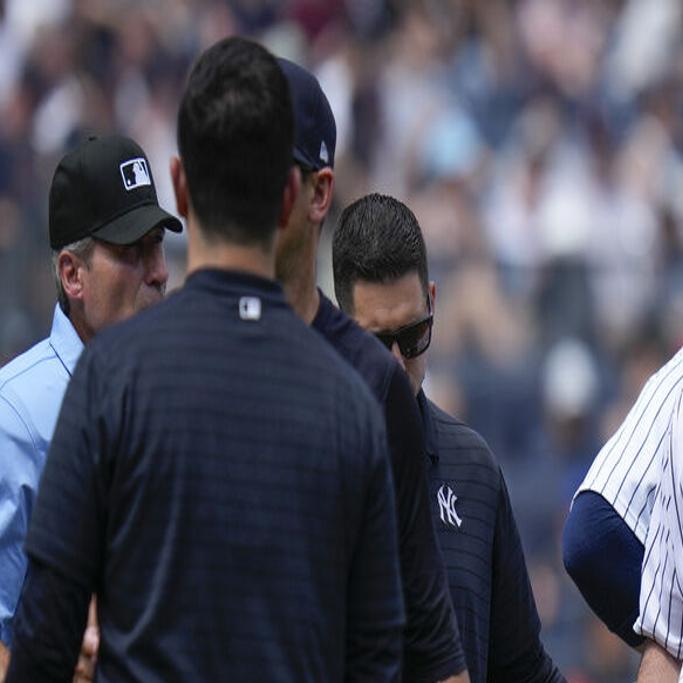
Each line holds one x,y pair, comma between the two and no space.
487,573
220,479
432,644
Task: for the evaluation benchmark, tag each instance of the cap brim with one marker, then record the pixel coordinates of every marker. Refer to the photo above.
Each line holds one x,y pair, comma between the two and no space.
136,223
305,160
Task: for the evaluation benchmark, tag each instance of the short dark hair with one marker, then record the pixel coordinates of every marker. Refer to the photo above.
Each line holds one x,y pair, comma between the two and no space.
377,239
235,137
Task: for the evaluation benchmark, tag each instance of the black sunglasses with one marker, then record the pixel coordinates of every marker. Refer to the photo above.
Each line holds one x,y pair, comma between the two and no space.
414,339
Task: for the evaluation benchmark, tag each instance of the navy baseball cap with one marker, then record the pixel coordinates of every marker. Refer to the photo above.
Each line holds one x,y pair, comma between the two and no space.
315,132
104,189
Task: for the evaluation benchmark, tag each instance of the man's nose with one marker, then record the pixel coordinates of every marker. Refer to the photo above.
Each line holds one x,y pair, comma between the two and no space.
156,272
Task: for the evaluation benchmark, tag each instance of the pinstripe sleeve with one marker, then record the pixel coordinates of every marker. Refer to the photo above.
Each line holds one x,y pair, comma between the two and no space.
661,593
627,469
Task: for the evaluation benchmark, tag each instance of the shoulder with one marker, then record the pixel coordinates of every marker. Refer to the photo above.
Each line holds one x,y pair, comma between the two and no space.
133,344
357,347
191,323
24,379
31,390
457,436
349,357
27,365
141,330
663,387
674,367
460,446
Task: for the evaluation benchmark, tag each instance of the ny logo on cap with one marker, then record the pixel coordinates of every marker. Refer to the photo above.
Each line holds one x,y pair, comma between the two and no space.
135,173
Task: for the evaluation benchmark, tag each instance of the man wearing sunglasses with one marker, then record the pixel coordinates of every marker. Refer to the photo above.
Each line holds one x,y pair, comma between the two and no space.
381,280
410,341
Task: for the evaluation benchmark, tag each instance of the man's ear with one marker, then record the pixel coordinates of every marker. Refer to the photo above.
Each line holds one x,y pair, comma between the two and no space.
179,180
432,294
71,269
289,195
322,195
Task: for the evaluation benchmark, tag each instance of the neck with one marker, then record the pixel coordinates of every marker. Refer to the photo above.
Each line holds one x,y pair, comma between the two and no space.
203,253
303,297
297,273
78,320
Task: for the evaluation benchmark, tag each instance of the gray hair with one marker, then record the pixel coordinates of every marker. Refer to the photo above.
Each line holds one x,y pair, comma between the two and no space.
83,250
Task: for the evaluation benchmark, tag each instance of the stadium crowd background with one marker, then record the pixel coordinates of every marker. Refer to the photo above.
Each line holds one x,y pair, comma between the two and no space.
540,144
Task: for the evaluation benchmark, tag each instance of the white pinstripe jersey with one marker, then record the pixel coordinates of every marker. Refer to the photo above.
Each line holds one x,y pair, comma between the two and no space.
628,468
661,594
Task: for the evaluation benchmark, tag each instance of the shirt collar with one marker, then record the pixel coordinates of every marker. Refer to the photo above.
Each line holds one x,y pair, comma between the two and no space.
65,340
325,309
428,427
234,282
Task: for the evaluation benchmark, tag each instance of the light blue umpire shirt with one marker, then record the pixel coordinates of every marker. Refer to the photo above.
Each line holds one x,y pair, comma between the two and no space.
31,390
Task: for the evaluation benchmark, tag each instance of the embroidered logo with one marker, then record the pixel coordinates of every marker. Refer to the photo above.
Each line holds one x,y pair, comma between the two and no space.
446,499
250,308
135,173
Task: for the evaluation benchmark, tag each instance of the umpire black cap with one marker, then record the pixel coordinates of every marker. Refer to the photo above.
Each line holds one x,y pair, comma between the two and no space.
315,132
104,189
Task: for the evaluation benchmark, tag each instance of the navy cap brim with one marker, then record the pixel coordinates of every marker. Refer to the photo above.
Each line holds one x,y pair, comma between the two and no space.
136,223
305,161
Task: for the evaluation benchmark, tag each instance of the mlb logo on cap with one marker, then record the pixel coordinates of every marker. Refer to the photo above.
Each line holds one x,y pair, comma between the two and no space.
112,212
135,173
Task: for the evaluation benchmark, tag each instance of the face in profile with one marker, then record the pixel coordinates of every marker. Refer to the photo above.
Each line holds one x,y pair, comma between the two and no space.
121,280
399,313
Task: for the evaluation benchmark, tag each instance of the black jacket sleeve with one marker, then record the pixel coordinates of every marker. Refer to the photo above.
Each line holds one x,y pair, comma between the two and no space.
49,627
433,650
516,654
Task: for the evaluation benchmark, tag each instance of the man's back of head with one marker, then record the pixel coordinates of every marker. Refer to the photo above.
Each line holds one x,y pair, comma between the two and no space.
235,137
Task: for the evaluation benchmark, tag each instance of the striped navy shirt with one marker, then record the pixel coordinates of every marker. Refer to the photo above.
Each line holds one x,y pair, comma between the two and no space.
433,649
628,468
220,479
661,591
487,574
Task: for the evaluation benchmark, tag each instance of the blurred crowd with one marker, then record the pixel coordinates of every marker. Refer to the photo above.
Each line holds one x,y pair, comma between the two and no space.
539,143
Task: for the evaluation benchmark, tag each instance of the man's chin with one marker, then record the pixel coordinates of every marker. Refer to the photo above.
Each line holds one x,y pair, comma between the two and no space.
149,302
